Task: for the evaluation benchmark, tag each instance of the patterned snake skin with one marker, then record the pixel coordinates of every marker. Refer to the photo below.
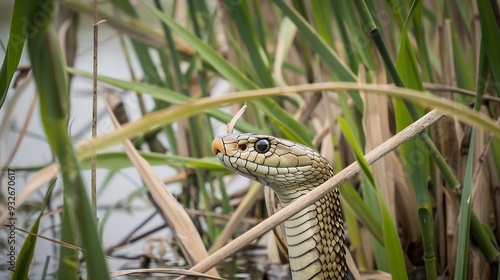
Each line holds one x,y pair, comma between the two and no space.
315,235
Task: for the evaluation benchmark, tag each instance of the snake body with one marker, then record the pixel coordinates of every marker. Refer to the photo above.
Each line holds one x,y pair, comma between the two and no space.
315,235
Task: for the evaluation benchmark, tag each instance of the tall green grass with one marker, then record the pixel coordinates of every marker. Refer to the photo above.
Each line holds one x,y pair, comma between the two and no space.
417,211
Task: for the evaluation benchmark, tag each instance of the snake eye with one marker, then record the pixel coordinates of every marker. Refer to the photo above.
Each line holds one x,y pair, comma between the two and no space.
262,146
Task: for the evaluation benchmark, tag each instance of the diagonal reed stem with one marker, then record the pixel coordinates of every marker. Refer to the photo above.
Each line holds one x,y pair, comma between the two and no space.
306,200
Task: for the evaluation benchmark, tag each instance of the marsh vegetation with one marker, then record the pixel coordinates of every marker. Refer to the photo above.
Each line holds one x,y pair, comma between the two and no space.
339,76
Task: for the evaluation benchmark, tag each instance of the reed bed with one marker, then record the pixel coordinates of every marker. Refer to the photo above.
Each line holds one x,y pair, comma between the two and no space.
401,97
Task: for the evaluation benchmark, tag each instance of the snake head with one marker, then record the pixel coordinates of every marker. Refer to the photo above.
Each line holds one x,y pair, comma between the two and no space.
315,235
278,163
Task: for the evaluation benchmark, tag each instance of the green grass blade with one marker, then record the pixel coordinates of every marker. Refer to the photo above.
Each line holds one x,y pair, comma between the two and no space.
242,60
321,18
141,50
15,45
354,41
461,61
27,251
150,71
466,199
156,119
495,149
212,57
52,85
413,152
138,30
480,232
397,11
240,14
392,243
289,126
354,236
119,160
45,268
362,211
371,200
165,94
179,79
406,63
465,215
369,196
328,56
53,88
491,38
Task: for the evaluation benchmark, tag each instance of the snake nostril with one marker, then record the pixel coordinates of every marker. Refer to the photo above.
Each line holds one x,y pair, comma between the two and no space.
242,147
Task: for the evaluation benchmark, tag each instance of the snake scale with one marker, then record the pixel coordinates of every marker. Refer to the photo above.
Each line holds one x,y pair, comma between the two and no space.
315,235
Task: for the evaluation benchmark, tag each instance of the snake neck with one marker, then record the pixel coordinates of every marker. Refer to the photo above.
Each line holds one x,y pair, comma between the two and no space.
315,238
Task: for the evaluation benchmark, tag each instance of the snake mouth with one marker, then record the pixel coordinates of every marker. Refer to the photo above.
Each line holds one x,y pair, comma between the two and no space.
218,146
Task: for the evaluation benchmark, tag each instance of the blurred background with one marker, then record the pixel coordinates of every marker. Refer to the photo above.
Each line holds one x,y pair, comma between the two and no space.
155,56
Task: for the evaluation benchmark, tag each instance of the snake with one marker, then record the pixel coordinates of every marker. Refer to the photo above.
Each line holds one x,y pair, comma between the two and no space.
315,235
